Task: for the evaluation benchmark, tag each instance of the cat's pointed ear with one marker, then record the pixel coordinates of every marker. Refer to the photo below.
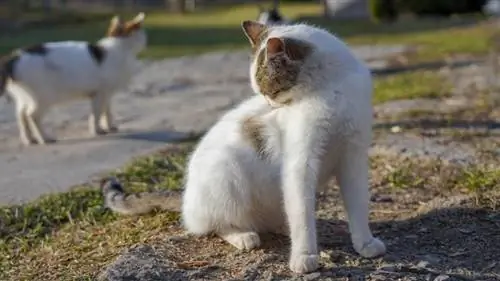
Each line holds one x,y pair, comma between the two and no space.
275,46
253,31
115,25
115,21
134,24
139,19
295,49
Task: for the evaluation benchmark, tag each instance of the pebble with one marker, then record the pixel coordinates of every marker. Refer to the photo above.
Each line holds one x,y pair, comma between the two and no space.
312,276
442,277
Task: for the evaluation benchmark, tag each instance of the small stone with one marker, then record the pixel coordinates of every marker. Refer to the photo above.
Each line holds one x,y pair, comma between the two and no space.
325,254
396,129
430,259
388,268
176,238
442,277
423,264
382,198
312,276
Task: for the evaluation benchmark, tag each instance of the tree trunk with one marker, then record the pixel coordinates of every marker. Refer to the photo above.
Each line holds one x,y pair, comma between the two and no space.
176,6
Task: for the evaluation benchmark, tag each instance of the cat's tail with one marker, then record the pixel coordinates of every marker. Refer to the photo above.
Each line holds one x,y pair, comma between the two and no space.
7,67
120,202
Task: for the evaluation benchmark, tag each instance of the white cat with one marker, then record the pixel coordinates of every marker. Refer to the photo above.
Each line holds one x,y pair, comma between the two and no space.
259,167
42,76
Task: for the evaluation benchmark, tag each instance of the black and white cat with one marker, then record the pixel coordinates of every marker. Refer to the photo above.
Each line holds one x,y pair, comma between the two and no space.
42,76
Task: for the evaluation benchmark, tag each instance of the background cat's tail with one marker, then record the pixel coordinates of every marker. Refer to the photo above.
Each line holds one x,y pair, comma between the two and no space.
118,201
7,67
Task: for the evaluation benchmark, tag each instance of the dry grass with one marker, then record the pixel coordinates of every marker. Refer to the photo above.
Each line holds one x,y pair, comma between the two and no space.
69,236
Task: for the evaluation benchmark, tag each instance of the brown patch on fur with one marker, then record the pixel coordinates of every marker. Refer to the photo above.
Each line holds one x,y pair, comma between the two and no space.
252,130
279,66
255,32
117,28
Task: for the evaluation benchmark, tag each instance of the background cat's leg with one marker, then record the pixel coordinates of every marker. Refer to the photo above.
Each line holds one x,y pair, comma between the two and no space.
352,177
25,135
243,240
34,117
97,107
107,122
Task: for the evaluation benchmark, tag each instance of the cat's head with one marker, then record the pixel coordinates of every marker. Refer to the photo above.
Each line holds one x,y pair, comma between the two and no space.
277,62
131,31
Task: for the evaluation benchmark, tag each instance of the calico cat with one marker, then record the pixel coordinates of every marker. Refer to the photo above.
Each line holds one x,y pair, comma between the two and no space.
41,76
259,167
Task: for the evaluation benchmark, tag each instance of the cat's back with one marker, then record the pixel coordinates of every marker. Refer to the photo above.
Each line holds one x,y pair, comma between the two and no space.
65,64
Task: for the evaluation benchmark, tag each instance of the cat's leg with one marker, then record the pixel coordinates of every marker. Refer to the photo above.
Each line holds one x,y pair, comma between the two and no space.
107,117
22,123
243,240
34,117
299,180
97,107
352,177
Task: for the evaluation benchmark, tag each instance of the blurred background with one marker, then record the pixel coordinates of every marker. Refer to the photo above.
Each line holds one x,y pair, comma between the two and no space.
192,26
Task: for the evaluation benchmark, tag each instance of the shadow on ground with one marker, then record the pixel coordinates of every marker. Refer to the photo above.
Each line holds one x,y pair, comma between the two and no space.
460,242
440,124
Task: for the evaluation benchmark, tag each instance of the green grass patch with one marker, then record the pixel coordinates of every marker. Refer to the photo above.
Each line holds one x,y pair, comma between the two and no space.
410,85
175,35
73,226
70,236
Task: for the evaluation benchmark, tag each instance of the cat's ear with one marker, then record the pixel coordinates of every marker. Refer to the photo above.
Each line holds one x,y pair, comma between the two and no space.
294,49
275,46
115,26
115,21
134,24
139,19
253,31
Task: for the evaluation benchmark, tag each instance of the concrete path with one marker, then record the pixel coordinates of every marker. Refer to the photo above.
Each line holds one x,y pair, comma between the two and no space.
166,101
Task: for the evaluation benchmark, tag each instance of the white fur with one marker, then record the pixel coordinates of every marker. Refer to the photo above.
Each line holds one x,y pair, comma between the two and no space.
68,72
325,132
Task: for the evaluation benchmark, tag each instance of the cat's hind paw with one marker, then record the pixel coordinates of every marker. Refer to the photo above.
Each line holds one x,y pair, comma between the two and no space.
242,240
375,247
304,263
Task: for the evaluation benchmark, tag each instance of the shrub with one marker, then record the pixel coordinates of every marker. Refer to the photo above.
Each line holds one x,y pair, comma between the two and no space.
443,7
383,10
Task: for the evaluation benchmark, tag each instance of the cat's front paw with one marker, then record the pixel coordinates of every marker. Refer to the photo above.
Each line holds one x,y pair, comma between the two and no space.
304,263
375,247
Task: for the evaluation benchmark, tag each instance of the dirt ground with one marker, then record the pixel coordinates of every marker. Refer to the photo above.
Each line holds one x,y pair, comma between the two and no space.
430,235
434,208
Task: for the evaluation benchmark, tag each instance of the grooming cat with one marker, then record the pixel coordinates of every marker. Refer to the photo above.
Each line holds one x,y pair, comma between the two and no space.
259,167
42,76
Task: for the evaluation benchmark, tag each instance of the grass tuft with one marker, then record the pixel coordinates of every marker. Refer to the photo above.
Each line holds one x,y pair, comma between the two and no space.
418,84
72,224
